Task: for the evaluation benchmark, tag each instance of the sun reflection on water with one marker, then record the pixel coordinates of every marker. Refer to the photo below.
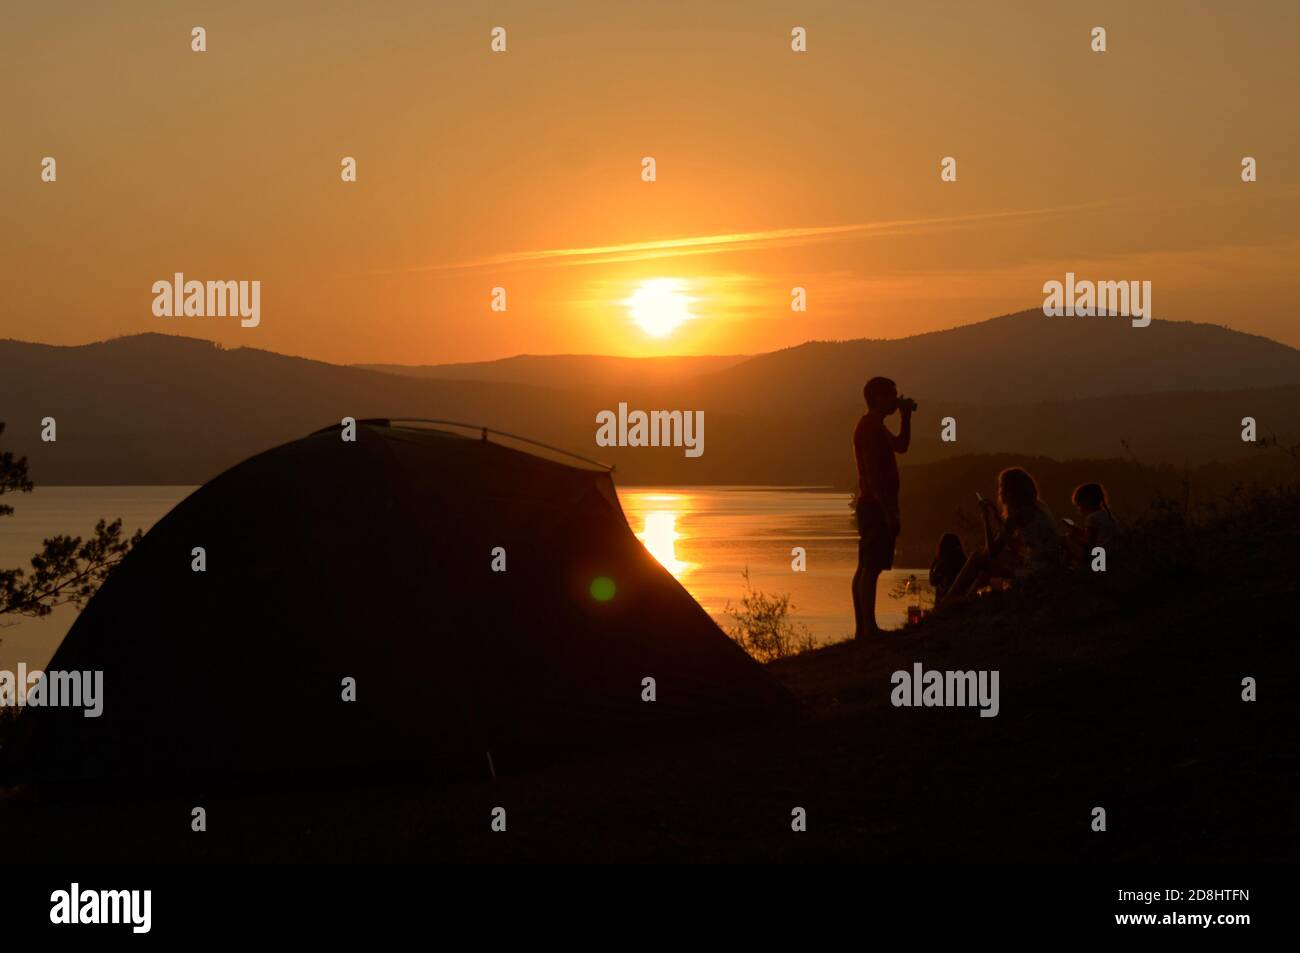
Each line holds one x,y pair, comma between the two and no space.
659,514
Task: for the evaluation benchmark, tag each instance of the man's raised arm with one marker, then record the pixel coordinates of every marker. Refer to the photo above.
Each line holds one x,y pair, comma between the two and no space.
901,442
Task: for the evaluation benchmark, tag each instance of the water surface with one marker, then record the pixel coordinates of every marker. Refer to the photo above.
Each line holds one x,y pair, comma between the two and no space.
706,536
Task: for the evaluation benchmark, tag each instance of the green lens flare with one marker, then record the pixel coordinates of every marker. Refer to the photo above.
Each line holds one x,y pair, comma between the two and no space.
602,589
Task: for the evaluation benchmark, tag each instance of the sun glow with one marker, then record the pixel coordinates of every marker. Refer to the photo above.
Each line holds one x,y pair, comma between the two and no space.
659,306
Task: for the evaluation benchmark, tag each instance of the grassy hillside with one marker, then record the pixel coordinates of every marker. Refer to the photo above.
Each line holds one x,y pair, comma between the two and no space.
939,497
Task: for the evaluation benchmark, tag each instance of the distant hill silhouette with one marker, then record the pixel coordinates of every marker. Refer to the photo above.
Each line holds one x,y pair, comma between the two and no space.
564,370
1014,359
157,408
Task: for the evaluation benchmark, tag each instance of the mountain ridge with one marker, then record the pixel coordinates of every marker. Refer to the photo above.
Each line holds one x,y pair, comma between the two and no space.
162,408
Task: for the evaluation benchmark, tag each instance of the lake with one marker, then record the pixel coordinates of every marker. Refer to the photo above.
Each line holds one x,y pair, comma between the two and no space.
705,536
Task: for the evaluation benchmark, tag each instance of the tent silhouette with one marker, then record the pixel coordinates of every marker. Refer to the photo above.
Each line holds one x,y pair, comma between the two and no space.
372,560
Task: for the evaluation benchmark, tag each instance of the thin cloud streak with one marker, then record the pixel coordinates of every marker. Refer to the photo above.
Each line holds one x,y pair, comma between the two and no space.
734,242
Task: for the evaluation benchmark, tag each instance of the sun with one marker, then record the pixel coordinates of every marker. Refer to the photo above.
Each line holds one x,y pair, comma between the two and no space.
659,306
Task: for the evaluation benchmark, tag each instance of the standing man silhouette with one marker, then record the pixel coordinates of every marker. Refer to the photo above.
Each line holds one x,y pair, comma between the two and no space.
876,503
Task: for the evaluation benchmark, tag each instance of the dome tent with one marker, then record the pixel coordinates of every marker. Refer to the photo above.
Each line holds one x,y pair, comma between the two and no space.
372,560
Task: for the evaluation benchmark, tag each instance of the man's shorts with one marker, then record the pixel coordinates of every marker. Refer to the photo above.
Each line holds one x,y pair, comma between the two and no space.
876,539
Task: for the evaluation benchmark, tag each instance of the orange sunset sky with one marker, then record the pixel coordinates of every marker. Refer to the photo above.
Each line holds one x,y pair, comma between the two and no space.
523,169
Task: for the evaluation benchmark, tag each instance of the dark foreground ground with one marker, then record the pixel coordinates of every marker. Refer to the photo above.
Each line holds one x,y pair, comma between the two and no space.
1143,718
1129,701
